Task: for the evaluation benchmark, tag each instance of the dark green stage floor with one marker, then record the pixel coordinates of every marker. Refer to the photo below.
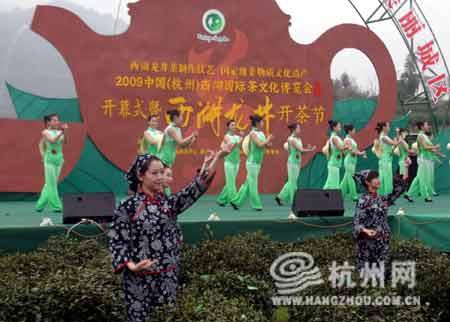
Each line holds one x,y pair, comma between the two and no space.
19,223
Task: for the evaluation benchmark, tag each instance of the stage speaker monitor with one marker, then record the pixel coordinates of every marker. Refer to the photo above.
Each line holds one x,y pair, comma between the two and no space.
97,206
309,202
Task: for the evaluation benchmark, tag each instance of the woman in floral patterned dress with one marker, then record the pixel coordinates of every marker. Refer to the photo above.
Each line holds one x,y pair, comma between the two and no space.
370,223
144,237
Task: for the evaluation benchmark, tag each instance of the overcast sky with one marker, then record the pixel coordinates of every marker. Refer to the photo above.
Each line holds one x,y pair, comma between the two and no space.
309,19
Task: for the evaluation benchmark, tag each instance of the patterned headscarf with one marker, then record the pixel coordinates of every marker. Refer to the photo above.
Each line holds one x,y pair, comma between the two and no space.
132,175
360,177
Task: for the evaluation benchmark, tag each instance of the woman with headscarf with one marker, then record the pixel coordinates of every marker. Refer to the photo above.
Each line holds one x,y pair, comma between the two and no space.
370,222
144,236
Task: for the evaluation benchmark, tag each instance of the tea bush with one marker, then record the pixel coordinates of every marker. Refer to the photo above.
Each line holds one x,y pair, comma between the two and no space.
221,280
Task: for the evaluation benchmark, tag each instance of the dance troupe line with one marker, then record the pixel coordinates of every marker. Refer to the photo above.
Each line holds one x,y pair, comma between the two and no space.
145,237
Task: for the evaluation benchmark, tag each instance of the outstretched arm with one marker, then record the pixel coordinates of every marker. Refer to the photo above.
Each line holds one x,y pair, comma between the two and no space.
150,139
355,152
339,144
429,147
212,158
261,143
64,128
182,142
46,135
185,198
300,148
182,200
439,153
405,146
389,141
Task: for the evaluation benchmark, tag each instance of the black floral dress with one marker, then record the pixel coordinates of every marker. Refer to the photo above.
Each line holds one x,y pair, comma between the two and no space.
371,213
146,228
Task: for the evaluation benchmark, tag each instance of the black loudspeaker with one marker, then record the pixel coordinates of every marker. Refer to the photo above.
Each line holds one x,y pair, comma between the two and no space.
98,206
308,202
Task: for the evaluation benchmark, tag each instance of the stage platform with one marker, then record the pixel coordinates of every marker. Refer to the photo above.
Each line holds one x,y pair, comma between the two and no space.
429,222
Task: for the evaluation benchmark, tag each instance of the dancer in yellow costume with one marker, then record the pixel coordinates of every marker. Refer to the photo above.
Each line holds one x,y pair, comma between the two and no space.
51,150
295,149
257,143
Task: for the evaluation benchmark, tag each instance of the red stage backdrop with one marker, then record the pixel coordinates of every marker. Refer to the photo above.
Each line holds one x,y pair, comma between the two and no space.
212,60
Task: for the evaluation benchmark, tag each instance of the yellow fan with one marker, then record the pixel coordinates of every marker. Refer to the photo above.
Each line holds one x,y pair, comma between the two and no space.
246,144
376,149
397,151
286,146
415,146
448,146
326,149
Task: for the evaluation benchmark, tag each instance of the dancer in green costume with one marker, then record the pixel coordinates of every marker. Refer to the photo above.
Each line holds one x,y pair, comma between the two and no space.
435,157
173,139
231,165
386,146
348,185
257,144
294,162
52,156
152,136
403,150
421,184
335,149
